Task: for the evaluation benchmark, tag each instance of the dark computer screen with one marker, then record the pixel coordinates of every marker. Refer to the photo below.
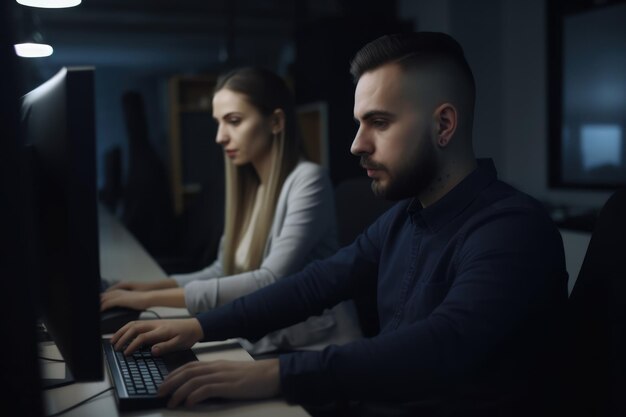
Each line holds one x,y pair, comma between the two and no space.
19,368
58,127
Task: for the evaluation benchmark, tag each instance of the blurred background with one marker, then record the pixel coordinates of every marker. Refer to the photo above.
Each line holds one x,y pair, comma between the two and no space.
156,62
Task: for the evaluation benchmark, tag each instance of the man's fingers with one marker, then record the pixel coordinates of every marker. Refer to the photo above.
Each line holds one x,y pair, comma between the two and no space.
132,334
184,373
198,372
195,382
166,346
181,392
203,383
146,337
163,335
134,344
215,390
121,337
186,367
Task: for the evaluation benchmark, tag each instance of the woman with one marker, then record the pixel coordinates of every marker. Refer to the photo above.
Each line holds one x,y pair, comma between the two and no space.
279,216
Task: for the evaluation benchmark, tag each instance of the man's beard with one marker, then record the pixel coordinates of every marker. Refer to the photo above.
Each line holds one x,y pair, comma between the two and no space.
410,179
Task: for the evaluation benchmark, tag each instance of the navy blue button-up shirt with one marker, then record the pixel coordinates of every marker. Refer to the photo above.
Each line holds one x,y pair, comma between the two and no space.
470,296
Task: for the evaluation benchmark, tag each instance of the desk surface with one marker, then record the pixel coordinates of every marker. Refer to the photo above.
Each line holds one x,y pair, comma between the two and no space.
122,257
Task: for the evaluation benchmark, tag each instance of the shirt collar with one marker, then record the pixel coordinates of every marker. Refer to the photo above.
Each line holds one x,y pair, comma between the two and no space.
454,202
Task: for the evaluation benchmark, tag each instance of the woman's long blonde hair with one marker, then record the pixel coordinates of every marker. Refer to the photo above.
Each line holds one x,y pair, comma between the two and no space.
267,92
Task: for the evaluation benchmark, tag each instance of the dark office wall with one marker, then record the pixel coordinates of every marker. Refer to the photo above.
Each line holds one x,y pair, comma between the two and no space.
524,101
139,46
110,83
506,45
505,41
324,47
478,25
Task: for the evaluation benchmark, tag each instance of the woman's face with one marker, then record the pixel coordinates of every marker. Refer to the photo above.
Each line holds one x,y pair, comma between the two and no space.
244,133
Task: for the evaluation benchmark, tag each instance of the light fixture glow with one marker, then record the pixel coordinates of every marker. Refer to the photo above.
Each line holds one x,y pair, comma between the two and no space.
33,50
50,4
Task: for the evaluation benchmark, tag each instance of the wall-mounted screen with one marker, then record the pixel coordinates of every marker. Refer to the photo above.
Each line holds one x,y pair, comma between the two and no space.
587,101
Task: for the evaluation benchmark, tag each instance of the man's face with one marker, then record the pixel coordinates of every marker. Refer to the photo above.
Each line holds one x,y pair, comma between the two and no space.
394,139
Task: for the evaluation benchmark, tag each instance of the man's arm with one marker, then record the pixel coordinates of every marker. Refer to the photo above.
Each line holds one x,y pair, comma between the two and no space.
321,285
510,278
502,284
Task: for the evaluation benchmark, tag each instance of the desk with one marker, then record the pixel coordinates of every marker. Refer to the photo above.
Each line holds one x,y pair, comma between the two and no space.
122,257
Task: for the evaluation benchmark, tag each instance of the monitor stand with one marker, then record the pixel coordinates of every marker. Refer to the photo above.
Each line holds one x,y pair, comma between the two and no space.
52,382
49,383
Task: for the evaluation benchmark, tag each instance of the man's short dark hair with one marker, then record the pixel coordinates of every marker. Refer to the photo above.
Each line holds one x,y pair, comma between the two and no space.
410,50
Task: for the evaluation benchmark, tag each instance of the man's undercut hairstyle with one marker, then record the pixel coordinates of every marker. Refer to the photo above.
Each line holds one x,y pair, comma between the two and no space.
412,50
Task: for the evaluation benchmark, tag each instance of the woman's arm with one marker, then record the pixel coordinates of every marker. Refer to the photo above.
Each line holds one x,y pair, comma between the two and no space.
141,300
144,286
305,222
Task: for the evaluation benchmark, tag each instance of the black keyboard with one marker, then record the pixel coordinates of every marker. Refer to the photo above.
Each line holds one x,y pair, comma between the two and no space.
136,378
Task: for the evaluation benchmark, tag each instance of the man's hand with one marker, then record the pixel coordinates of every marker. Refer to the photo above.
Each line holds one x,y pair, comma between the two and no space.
197,381
139,300
163,335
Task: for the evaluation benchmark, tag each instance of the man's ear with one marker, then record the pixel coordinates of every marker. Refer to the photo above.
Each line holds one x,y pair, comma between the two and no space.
446,120
277,121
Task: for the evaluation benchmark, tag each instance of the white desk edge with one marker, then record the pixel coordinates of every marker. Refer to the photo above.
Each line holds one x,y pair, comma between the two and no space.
123,257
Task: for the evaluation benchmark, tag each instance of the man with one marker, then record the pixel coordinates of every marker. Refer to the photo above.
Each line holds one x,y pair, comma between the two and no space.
470,273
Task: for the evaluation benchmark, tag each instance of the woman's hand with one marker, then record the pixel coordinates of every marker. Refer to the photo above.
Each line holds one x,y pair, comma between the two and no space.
139,300
197,381
163,335
144,286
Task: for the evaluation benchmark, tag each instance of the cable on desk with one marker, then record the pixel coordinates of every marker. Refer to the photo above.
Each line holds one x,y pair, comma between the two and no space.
58,413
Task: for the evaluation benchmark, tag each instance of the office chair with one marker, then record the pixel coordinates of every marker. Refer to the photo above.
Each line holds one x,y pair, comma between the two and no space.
111,192
598,317
357,208
148,211
198,231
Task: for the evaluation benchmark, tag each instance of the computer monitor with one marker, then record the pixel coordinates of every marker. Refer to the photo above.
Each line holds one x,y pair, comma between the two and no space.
19,370
58,127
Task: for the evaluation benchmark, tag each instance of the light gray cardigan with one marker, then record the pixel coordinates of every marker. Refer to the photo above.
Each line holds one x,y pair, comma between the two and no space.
303,229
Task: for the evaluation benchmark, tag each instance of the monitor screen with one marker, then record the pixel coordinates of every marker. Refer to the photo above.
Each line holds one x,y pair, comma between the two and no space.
587,111
58,126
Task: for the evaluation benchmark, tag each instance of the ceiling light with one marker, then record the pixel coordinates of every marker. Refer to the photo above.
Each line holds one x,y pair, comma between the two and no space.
50,4
33,50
